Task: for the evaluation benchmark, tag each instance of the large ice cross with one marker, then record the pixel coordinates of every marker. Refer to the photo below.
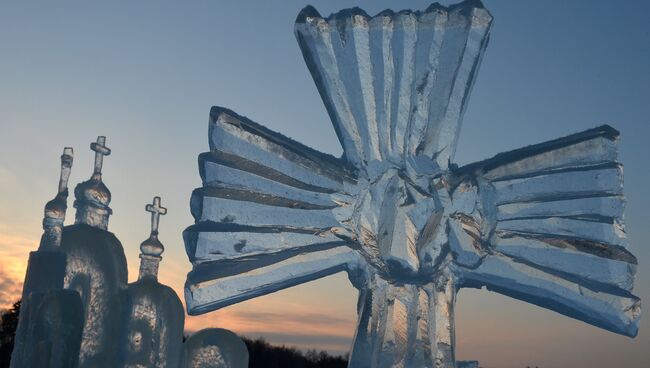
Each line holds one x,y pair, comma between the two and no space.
541,224
100,151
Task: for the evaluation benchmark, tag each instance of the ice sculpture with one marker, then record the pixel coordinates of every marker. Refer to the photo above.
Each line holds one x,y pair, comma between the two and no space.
54,334
77,309
543,224
46,266
49,330
154,328
96,266
215,348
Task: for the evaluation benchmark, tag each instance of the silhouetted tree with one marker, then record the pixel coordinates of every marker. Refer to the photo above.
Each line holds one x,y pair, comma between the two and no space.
8,324
264,355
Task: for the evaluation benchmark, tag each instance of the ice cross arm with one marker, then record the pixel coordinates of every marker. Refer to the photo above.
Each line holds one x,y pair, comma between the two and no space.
547,227
266,215
395,84
287,225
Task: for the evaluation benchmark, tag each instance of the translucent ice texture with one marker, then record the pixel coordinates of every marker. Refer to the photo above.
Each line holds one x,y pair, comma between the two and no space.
154,326
215,348
52,335
96,269
153,334
395,85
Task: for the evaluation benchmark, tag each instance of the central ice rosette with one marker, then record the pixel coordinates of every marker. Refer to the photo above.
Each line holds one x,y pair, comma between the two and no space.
400,221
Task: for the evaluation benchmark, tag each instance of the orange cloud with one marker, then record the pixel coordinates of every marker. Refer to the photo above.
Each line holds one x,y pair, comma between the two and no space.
281,324
14,252
283,319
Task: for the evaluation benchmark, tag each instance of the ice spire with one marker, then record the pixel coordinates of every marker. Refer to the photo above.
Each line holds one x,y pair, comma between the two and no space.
152,248
92,196
54,213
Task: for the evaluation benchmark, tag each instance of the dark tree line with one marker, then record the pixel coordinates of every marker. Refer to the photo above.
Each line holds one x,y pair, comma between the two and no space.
261,353
8,324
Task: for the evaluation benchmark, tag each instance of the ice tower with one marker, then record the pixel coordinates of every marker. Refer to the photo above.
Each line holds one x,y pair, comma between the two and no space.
46,267
153,334
96,266
49,330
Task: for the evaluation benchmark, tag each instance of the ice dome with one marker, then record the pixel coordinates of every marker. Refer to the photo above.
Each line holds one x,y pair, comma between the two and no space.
92,197
152,246
93,192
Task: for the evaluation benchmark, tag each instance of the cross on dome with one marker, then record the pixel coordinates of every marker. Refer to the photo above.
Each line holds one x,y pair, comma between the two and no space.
152,248
156,211
100,151
92,197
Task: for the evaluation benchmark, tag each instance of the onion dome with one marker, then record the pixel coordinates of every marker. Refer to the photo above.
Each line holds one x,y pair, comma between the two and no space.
54,212
152,248
92,197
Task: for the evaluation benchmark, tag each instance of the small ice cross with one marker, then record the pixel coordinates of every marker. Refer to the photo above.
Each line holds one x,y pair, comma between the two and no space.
100,151
152,248
66,166
156,210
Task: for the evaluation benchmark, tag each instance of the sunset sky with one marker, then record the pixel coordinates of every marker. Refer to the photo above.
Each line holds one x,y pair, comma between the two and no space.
146,73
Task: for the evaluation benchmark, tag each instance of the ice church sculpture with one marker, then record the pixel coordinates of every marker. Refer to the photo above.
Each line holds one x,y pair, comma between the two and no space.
153,336
543,224
79,311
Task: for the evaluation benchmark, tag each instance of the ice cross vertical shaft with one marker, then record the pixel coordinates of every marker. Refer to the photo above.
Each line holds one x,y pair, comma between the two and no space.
405,325
100,151
156,210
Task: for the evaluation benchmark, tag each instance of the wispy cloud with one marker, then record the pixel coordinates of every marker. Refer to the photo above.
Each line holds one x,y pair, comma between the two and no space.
302,329
282,324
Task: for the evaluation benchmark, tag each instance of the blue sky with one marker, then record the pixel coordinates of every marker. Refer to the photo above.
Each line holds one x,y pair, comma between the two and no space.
146,73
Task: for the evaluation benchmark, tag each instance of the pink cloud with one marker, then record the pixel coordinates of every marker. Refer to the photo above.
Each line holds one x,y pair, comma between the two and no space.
281,326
